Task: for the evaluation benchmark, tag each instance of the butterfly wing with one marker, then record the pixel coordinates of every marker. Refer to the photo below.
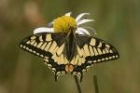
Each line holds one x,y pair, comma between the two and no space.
49,46
90,50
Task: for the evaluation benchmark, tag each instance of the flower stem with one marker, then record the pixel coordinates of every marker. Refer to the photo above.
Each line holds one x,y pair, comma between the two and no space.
77,84
95,84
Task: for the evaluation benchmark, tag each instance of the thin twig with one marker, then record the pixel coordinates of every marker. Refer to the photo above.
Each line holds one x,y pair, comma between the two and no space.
77,84
95,84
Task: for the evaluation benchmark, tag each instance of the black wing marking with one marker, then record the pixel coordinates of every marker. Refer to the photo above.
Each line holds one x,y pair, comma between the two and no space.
90,50
51,47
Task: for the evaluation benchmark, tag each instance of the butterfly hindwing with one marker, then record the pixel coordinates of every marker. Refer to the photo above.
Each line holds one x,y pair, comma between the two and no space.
90,50
49,46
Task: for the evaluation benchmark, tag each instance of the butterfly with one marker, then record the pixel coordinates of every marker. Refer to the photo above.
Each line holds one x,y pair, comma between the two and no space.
72,52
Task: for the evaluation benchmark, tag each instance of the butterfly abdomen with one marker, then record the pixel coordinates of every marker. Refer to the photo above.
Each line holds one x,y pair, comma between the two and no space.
70,46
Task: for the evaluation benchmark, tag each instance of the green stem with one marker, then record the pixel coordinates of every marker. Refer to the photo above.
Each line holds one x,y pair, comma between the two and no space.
95,84
77,84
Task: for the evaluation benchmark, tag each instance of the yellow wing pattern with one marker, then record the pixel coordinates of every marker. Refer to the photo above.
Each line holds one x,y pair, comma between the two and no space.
52,47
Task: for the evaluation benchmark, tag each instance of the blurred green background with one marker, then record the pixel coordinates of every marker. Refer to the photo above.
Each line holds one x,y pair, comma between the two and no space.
116,21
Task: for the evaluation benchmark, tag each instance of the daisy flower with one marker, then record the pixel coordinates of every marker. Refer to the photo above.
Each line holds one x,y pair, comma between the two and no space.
64,23
67,46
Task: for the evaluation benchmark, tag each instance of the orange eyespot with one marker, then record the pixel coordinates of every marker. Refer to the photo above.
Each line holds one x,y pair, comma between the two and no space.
69,68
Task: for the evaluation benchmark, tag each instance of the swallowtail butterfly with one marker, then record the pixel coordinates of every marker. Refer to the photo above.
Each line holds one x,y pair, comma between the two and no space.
69,52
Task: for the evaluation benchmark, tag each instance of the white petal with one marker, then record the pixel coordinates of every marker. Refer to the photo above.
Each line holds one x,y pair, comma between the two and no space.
80,29
92,30
43,29
80,16
78,32
68,14
84,21
50,24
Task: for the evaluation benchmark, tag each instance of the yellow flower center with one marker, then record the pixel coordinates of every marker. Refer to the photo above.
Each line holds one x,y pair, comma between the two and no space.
64,24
